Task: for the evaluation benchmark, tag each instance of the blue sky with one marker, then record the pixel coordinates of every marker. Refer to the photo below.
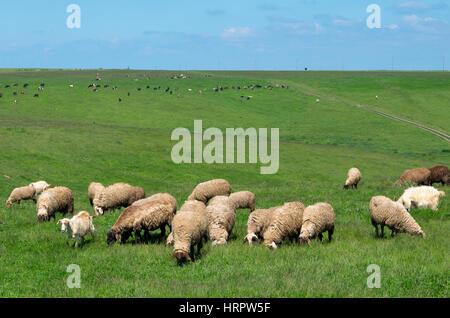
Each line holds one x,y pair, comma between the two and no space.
245,34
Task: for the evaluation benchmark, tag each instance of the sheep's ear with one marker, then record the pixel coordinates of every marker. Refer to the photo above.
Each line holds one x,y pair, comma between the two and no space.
117,237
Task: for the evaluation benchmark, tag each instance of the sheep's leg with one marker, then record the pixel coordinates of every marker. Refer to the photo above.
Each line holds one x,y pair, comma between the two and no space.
137,235
330,233
34,200
18,202
163,232
67,239
93,235
82,241
393,233
191,252
382,230
320,236
146,235
76,241
199,247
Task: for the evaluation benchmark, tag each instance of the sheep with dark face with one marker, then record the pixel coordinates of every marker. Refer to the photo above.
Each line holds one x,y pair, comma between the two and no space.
440,174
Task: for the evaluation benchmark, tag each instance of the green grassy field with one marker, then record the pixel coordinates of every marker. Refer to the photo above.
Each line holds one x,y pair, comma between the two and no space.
74,136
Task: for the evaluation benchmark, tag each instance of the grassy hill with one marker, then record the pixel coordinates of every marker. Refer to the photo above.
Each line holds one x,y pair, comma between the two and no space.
72,136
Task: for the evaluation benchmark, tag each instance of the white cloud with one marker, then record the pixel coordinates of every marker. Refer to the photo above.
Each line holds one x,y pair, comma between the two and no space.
236,33
412,5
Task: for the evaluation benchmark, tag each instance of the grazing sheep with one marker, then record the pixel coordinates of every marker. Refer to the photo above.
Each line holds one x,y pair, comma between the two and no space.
189,228
93,189
384,211
206,190
421,176
78,226
40,186
286,222
58,199
243,200
148,217
221,219
116,196
158,196
421,197
353,178
22,193
317,218
440,174
258,222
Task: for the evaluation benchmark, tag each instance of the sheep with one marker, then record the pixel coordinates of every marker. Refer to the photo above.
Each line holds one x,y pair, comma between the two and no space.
58,199
116,196
317,218
384,211
135,218
206,190
221,219
258,222
286,222
189,228
440,174
22,193
78,226
421,176
421,197
353,178
159,196
93,189
243,200
40,186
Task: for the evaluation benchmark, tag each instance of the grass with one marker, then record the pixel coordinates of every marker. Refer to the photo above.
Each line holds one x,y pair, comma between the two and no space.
74,136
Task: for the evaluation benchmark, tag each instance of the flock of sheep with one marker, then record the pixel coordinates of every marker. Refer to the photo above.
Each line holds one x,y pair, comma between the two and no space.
209,213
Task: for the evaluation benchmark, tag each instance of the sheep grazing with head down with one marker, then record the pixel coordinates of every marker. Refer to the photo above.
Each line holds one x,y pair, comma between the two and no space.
353,178
243,200
440,174
22,193
159,196
58,199
116,196
385,212
258,222
422,197
40,186
286,223
149,216
206,190
221,219
93,189
78,226
317,218
189,229
421,176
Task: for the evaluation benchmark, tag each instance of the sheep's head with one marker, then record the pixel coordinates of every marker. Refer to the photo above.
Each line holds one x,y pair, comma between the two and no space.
8,203
43,214
346,187
98,210
182,257
64,224
304,238
250,238
112,237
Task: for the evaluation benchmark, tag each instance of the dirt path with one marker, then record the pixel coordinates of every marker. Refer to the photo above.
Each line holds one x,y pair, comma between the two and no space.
435,132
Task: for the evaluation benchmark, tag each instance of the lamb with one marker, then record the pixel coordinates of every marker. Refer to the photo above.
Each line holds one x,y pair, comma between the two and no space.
353,178
243,200
384,211
159,196
421,176
22,193
189,228
258,222
78,226
317,218
93,189
206,190
40,186
286,222
221,219
135,218
116,196
440,174
58,199
421,197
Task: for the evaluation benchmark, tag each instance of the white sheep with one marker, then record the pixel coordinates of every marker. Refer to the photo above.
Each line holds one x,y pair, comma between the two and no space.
384,211
93,189
206,190
116,196
221,219
423,197
243,200
22,193
40,186
258,222
353,178
78,226
317,218
58,199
